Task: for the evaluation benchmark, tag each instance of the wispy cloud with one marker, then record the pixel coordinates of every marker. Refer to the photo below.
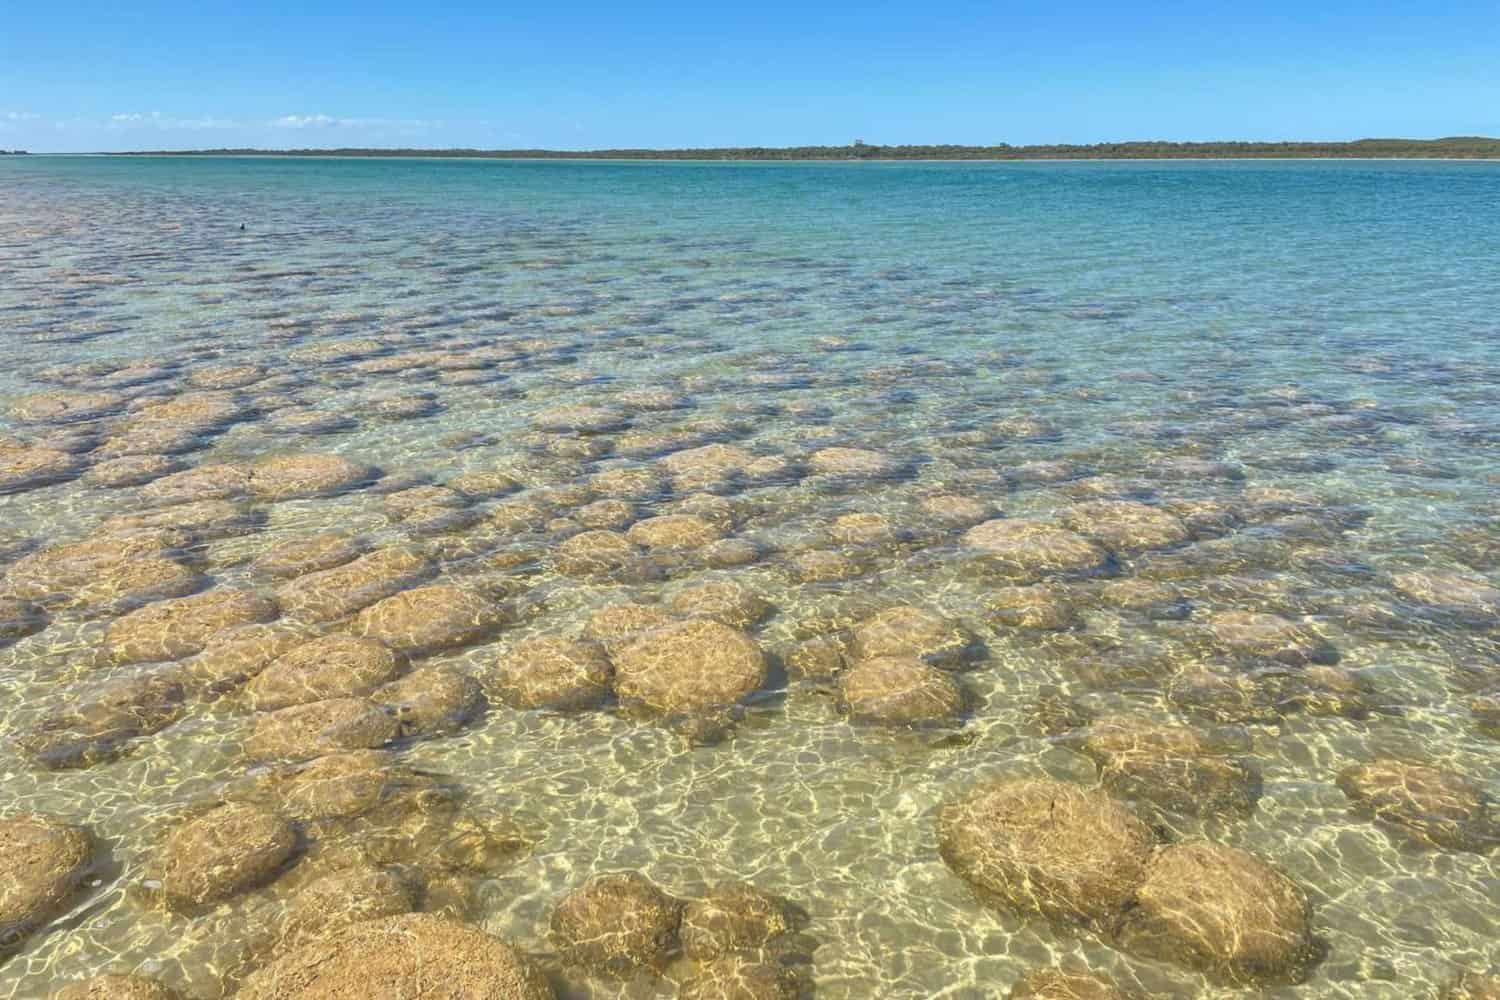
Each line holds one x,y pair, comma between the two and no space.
19,116
329,121
155,119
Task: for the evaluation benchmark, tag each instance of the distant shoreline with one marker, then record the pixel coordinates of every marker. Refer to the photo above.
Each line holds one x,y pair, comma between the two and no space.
1456,148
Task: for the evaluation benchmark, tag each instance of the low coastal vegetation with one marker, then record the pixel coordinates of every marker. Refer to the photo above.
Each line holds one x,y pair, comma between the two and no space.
1454,148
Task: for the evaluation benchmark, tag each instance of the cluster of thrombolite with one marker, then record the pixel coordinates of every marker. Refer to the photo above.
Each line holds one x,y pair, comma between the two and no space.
737,940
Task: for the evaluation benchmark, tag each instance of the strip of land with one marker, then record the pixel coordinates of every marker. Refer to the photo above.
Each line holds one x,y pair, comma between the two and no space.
1454,148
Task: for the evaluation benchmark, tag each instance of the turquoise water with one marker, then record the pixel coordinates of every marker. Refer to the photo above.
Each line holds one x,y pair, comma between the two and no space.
1311,348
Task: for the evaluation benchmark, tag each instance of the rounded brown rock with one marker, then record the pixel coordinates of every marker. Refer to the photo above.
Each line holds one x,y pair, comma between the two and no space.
394,958
1223,911
1072,855
616,923
1057,984
853,463
727,601
553,673
307,555
171,630
692,666
430,619
623,621
432,700
739,977
731,918
42,864
1026,549
333,666
291,477
110,987
1254,633
335,593
908,631
1127,526
130,470
321,727
674,531
226,851
1422,805
899,690
349,896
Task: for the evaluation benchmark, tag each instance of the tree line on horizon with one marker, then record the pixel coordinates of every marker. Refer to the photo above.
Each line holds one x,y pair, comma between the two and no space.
1457,147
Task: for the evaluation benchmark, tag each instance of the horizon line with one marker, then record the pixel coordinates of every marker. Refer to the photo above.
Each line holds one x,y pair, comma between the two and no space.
1447,147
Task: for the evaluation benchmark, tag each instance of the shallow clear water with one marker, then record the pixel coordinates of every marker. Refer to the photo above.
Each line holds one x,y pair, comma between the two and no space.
1328,333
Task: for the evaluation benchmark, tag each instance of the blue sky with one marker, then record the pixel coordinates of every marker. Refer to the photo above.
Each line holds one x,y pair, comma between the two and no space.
153,75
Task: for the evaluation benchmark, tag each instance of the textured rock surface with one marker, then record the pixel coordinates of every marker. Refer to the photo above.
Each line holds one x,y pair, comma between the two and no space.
1224,911
42,864
333,666
689,667
1423,805
223,852
899,690
616,923
1024,549
399,958
555,673
322,727
171,630
1072,855
430,619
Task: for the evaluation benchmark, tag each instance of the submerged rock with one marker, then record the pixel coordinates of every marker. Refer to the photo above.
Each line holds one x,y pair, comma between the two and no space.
307,555
1423,805
102,573
341,898
339,592
733,917
117,988
616,923
395,958
1056,984
854,463
42,864
674,531
1069,854
235,655
1028,550
553,673
1272,637
727,601
1038,607
291,477
25,468
689,667
432,700
1458,593
899,690
171,630
604,555
1224,911
430,619
913,632
342,785
226,851
19,618
105,720
130,470
334,666
1127,526
623,621
321,727
1171,766
739,977
1473,986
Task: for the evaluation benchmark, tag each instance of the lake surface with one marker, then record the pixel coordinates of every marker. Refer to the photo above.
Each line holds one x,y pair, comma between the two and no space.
1293,367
